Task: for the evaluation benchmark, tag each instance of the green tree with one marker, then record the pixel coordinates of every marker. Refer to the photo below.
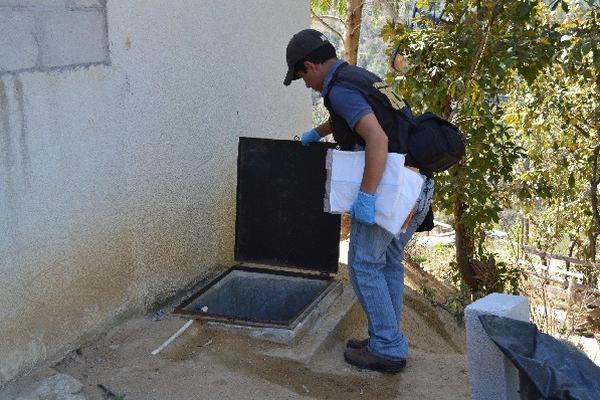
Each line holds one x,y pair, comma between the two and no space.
555,118
461,67
580,59
344,18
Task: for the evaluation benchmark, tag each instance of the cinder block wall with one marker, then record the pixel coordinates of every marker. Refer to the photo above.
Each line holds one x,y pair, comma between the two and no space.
38,35
118,136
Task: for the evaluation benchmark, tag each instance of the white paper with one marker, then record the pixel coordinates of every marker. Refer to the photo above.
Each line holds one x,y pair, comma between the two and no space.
396,194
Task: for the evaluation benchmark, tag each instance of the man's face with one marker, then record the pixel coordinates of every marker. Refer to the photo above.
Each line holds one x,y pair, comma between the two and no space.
313,77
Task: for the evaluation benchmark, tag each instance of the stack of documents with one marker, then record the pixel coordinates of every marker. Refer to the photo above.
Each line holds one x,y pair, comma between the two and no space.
396,194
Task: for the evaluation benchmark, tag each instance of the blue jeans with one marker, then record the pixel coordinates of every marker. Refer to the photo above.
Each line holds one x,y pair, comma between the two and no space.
377,275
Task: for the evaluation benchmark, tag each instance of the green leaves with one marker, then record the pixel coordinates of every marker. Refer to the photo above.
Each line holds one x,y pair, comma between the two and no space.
571,181
324,6
518,79
420,4
563,4
559,151
524,8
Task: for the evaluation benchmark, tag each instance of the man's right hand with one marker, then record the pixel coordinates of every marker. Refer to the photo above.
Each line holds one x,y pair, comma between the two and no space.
309,137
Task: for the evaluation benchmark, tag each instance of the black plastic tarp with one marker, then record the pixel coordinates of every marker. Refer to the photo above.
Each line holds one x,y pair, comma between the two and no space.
552,369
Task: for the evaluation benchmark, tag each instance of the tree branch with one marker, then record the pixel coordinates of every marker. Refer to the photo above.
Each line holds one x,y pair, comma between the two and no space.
483,44
333,17
322,21
565,118
358,7
580,129
478,53
355,28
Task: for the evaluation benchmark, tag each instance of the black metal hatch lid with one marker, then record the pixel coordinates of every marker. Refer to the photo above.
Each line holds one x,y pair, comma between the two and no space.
280,219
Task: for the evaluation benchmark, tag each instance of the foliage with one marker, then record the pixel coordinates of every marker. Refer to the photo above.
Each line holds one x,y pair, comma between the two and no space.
336,18
553,181
464,66
520,78
340,7
451,69
555,118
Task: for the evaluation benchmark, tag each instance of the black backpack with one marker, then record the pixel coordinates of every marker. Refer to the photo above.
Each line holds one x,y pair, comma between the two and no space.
434,144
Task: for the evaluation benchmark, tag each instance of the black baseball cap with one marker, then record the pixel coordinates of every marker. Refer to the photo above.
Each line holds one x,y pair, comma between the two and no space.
302,44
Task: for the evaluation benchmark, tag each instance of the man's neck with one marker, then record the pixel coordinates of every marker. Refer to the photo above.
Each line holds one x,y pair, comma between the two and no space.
327,64
325,68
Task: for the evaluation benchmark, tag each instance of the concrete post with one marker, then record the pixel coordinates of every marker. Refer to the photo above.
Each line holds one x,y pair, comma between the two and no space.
491,374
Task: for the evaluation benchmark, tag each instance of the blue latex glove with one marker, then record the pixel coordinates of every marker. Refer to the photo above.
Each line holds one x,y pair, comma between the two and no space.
309,137
363,208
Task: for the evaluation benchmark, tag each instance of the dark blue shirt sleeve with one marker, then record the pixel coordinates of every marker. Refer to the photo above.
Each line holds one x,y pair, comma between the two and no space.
349,104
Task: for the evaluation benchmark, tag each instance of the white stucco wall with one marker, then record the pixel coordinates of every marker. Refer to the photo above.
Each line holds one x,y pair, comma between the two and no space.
117,180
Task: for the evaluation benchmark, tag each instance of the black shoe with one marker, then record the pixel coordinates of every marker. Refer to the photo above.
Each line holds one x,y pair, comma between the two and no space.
364,359
357,343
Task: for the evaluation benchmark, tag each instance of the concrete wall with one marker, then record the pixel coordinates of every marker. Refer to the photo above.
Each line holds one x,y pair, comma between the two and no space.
45,34
118,151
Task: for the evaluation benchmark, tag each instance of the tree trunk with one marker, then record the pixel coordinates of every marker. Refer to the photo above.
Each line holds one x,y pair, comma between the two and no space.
594,181
351,39
352,35
571,250
591,250
465,248
463,237
525,236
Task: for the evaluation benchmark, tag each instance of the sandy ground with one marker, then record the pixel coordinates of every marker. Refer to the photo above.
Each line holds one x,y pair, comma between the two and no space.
207,364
